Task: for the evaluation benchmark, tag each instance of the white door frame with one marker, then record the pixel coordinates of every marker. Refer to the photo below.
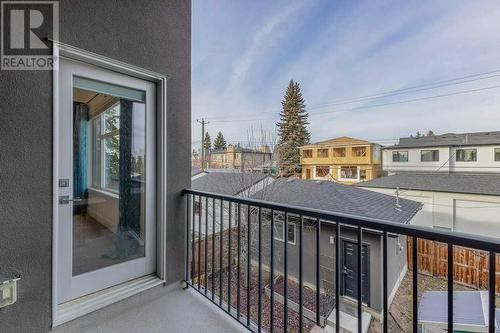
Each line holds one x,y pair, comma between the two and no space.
79,307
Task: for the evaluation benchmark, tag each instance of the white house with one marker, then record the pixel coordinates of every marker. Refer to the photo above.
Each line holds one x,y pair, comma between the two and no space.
455,176
466,152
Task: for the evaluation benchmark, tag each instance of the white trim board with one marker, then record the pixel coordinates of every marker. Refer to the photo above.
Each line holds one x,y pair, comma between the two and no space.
81,306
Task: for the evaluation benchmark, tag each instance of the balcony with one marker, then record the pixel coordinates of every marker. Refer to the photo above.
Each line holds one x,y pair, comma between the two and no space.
277,268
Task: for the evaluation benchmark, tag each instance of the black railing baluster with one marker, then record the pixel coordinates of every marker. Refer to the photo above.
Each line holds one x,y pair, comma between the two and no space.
301,282
285,271
221,250
193,259
238,284
249,272
360,279
206,245
186,269
229,258
259,306
318,271
199,239
491,291
384,282
271,328
450,287
415,284
213,248
337,279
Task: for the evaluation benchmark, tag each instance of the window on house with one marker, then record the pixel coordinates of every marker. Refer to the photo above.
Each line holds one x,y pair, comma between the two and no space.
400,156
339,152
497,154
322,170
429,155
349,172
323,153
466,155
362,174
359,151
197,208
308,153
279,231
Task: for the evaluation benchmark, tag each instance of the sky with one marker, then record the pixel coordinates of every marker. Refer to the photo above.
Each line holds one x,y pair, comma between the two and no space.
244,53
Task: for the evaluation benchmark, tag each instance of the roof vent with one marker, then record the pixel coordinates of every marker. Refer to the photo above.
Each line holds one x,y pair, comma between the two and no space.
318,182
289,180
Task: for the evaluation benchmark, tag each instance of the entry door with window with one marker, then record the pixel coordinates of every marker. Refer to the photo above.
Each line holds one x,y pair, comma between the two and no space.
350,271
106,186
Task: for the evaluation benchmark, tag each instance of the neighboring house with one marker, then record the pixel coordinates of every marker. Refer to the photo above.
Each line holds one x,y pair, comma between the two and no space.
345,160
455,176
465,153
229,183
467,203
470,312
243,159
342,199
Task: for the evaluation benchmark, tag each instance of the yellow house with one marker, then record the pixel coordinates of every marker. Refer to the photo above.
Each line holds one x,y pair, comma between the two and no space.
344,160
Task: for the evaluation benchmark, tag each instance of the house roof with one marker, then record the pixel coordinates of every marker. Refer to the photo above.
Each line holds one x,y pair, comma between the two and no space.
230,183
340,141
450,139
338,198
488,184
469,308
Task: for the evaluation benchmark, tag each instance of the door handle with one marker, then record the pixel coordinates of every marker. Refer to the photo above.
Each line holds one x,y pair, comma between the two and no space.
64,199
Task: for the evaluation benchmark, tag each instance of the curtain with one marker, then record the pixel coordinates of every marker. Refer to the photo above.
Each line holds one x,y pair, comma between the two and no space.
80,133
127,241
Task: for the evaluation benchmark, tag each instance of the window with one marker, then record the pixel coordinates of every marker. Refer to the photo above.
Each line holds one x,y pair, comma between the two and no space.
400,156
497,154
197,208
339,152
323,153
307,153
349,172
322,170
429,155
466,155
106,152
279,231
359,151
362,175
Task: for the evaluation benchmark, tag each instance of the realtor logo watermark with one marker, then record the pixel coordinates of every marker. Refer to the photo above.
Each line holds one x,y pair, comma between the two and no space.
27,28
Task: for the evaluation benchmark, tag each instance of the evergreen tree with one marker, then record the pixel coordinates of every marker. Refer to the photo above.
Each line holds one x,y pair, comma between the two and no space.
207,142
220,142
430,133
292,129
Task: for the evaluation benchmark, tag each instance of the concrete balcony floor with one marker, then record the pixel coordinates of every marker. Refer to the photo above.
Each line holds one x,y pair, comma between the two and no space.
161,309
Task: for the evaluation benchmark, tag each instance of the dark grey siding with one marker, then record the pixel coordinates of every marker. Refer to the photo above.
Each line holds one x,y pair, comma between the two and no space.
153,34
396,258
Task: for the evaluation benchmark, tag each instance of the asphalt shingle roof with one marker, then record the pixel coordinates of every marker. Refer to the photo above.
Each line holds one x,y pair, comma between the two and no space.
488,184
450,139
230,183
339,198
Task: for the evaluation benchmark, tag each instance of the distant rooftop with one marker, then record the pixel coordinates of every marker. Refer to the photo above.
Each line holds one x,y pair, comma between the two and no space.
230,183
341,142
450,139
338,198
442,182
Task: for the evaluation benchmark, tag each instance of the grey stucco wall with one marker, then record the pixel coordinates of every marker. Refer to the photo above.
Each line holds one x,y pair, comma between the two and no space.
153,34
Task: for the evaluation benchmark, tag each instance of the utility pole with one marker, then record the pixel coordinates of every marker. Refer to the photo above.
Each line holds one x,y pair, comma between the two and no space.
203,123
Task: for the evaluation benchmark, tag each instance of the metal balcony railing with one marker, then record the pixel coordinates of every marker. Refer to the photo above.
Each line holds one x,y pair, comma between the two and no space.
232,251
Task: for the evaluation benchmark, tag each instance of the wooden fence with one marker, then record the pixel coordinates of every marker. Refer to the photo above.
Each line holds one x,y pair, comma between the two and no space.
470,266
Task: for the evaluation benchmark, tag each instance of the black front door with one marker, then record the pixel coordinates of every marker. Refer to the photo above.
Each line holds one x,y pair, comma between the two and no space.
350,271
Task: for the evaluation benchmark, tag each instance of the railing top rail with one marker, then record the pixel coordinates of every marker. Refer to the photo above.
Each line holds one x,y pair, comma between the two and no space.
455,238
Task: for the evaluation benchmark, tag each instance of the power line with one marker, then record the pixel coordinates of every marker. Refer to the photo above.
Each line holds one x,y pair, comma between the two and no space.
371,106
399,91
